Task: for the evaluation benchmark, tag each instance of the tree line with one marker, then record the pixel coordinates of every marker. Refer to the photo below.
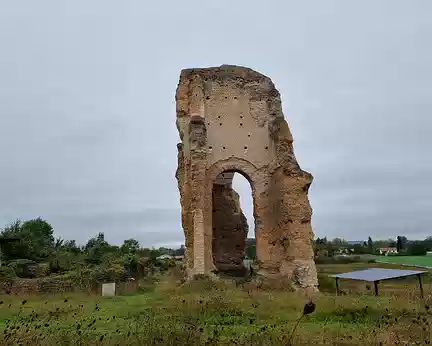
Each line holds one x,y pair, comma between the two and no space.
33,241
403,245
327,248
26,244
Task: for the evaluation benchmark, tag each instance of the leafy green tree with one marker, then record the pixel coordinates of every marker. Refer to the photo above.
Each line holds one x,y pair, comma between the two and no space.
130,246
144,252
98,241
165,251
251,251
96,248
154,254
58,243
13,228
13,250
24,268
36,240
39,235
70,246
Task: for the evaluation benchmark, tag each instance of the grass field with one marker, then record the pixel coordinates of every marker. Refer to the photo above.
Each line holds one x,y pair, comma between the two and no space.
221,313
425,261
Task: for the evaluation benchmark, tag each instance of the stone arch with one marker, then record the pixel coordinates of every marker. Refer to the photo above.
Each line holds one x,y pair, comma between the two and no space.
230,120
228,256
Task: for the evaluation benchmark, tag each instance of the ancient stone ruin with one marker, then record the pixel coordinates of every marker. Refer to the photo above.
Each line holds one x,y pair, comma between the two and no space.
230,120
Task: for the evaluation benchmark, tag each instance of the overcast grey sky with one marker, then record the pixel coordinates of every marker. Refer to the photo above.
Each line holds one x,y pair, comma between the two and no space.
87,109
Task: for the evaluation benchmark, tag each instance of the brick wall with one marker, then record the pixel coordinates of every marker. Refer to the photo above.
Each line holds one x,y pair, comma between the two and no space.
40,286
44,286
128,287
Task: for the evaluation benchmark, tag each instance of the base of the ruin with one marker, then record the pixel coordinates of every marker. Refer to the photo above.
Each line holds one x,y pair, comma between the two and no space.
259,279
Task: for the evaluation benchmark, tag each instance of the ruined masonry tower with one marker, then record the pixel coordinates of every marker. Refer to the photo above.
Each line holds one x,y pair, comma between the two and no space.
230,120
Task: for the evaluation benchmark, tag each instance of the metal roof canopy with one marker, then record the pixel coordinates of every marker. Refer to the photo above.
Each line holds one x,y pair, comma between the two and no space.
375,275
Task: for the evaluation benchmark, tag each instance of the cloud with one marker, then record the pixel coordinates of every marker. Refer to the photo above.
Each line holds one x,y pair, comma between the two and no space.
87,109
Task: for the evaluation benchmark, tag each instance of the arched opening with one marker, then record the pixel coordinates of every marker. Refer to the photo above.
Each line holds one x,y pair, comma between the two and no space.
233,243
243,187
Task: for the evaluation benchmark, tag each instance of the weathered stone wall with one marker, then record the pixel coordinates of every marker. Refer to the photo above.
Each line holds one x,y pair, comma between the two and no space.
127,287
230,120
38,286
46,286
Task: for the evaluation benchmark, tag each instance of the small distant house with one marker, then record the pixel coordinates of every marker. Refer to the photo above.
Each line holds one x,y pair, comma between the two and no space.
165,257
387,250
179,258
342,251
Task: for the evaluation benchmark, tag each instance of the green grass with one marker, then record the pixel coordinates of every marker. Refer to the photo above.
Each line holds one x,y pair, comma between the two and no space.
215,313
408,260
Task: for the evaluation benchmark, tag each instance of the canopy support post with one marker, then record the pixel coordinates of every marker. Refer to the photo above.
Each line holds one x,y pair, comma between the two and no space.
421,286
376,287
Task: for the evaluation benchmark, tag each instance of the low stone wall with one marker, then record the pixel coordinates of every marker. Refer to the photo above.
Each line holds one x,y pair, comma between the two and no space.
38,286
128,287
43,286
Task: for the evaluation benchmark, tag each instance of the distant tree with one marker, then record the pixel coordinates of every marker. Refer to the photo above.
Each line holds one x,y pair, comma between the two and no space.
58,243
154,254
181,251
392,243
401,243
370,244
428,243
399,246
13,228
321,241
36,240
12,250
130,246
39,236
338,242
384,243
70,246
251,251
416,248
165,251
97,241
144,252
96,248
360,249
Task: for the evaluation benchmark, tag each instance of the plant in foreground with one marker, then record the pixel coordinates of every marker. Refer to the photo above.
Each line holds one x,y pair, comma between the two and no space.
307,310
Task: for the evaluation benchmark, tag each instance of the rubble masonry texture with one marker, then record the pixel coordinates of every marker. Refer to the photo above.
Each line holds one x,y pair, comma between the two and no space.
230,120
